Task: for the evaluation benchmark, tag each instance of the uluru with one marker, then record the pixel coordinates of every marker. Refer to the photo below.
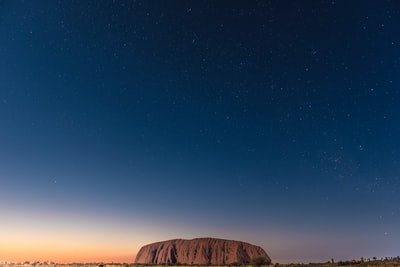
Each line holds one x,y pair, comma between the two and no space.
211,251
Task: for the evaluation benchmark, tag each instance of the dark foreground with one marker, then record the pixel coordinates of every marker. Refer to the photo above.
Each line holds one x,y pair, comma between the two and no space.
387,262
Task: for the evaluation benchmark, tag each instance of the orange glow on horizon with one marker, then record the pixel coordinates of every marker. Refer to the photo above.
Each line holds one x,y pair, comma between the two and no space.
80,252
69,239
68,257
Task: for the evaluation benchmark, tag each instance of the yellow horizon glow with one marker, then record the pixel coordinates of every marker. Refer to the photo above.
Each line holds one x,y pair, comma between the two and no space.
67,239
71,259
84,253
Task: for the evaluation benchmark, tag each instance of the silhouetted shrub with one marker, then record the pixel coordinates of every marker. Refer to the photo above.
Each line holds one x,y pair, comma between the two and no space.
259,260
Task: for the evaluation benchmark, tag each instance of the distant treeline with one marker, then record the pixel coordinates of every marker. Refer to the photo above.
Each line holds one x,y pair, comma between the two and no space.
362,262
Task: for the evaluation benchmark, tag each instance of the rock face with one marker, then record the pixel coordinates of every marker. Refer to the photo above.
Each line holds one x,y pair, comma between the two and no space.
210,251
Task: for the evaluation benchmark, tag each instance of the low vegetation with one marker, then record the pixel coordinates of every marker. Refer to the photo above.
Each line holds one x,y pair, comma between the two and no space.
363,262
258,261
255,262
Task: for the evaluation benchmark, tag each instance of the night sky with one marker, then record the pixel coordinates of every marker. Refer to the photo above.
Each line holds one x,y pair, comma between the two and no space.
129,122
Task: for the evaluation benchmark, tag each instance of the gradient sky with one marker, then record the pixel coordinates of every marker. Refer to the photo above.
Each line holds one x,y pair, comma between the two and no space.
129,122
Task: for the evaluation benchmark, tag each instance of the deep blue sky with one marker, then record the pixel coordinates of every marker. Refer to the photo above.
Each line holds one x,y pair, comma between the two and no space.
272,122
